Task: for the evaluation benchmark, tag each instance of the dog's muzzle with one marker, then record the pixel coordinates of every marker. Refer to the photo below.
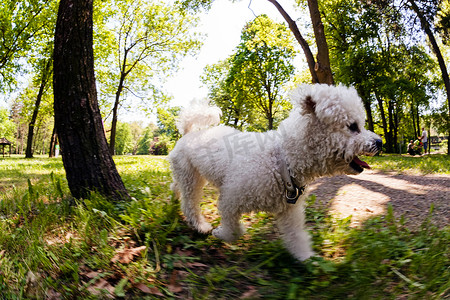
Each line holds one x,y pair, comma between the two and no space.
359,165
378,145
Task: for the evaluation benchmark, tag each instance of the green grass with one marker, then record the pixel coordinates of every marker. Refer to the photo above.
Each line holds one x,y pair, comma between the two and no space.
51,245
425,164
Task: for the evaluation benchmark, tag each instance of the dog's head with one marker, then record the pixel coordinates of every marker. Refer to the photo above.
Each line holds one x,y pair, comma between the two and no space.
335,120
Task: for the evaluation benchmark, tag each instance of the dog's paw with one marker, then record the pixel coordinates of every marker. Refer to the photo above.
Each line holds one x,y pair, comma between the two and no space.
225,235
305,255
204,227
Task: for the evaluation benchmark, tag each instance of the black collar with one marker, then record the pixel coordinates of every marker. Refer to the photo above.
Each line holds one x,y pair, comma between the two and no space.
292,195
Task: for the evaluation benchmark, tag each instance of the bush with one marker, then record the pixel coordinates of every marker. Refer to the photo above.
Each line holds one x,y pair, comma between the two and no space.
161,145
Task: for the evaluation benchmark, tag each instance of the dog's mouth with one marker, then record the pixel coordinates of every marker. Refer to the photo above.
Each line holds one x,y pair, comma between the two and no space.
358,165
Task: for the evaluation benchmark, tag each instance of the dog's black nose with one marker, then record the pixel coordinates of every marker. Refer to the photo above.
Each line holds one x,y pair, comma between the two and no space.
378,143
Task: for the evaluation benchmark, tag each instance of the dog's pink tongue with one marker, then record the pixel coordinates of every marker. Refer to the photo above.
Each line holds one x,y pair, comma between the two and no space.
361,163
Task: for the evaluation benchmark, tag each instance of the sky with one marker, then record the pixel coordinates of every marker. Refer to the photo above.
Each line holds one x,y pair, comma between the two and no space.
222,24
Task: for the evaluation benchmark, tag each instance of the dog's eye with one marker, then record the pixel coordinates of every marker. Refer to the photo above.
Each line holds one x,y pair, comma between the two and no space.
353,127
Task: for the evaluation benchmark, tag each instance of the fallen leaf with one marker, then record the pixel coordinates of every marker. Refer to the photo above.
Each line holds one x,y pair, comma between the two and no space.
174,286
251,293
184,252
101,285
149,290
125,256
52,295
178,264
91,274
196,265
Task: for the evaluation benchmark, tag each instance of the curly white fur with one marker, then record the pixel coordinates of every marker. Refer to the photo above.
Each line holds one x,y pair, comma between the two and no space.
199,115
322,136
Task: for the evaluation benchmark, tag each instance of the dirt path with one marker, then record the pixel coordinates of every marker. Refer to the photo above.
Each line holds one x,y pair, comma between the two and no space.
369,194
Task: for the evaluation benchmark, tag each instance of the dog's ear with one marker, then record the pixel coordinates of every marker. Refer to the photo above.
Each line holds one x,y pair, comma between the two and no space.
308,105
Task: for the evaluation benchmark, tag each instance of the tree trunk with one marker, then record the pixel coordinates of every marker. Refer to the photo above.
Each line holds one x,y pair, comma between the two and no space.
51,150
88,163
44,81
390,137
383,118
303,43
419,131
437,52
320,70
322,66
270,115
369,116
395,129
112,138
413,116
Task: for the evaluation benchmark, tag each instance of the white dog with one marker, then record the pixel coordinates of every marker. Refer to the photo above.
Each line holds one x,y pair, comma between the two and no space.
323,136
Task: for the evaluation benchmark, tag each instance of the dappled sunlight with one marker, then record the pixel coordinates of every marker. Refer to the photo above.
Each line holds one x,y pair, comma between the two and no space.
16,170
132,164
364,204
396,183
370,193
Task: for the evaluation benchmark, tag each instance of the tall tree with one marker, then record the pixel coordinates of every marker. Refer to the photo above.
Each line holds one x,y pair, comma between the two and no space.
88,163
369,51
7,126
264,62
36,97
40,59
257,72
228,92
44,81
147,39
145,142
21,22
426,15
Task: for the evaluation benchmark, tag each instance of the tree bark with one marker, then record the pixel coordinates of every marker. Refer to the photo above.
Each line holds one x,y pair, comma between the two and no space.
53,139
445,77
322,66
88,163
390,147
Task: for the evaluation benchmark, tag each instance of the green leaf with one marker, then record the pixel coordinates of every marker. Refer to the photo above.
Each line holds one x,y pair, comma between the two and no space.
119,289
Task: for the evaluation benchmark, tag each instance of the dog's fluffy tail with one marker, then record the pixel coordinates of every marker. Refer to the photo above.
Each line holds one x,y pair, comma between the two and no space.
199,115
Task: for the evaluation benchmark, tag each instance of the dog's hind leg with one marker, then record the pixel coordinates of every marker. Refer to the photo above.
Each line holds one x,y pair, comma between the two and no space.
175,189
190,185
291,224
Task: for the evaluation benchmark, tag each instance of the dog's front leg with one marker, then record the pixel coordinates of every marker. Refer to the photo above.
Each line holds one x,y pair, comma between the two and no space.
291,223
230,228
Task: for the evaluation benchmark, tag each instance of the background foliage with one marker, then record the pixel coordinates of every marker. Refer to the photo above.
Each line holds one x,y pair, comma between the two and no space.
377,47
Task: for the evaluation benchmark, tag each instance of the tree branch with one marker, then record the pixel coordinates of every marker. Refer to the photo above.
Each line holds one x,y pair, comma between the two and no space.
298,36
